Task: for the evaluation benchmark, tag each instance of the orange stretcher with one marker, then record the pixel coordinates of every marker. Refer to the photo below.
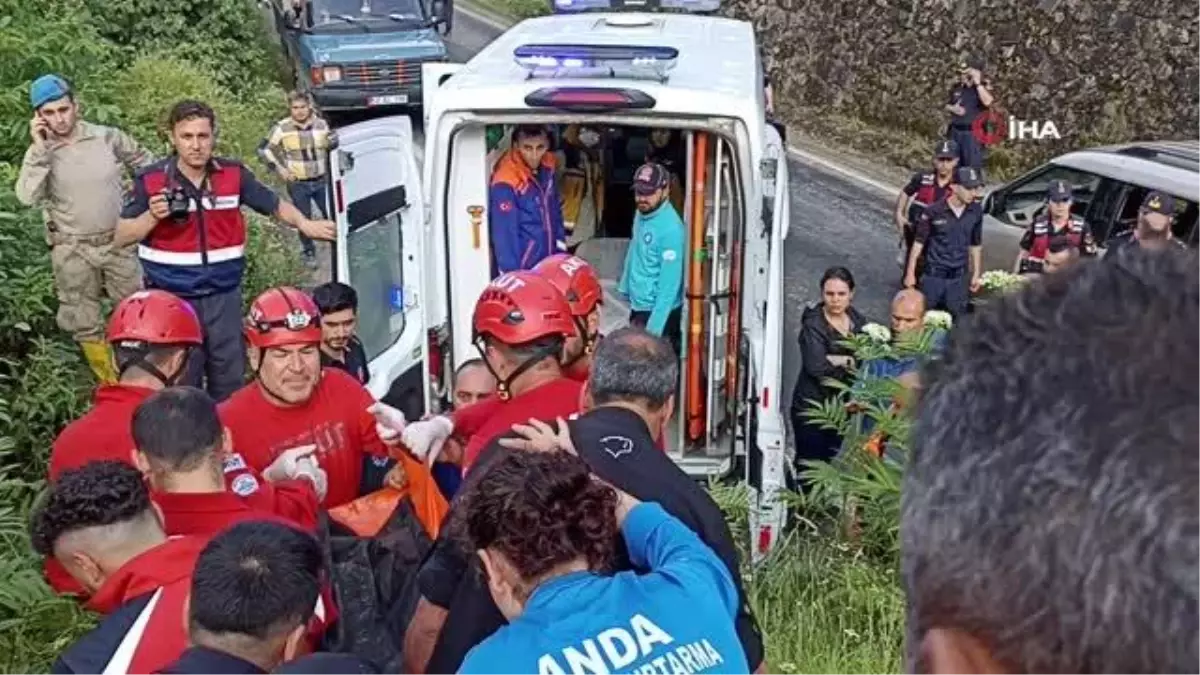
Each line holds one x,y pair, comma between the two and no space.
367,515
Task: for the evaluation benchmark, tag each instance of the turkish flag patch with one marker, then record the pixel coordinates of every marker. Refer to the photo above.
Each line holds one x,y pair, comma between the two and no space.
506,206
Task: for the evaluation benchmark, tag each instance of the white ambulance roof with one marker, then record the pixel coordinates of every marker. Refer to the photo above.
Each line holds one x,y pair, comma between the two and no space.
714,74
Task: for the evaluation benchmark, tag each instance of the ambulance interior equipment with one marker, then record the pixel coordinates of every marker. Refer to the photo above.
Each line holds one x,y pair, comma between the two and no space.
631,74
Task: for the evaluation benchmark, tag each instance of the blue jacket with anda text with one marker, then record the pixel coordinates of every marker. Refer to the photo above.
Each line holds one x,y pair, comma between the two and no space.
678,618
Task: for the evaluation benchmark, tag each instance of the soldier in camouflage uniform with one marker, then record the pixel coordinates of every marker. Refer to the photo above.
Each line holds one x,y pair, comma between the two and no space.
73,170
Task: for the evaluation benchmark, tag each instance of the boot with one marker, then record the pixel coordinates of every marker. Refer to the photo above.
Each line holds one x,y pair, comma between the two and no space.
99,358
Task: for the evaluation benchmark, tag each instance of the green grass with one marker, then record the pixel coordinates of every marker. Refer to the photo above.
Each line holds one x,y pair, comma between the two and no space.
822,606
823,609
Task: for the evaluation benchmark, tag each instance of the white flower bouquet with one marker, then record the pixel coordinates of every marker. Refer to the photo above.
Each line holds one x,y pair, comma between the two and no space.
935,318
998,281
877,332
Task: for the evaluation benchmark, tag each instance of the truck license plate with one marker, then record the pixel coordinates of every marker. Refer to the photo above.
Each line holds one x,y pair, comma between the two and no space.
394,99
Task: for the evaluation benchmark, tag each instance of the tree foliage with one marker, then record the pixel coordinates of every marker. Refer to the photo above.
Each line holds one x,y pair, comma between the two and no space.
128,61
874,417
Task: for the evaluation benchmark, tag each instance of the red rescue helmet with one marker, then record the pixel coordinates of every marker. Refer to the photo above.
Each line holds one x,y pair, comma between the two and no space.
282,316
575,279
154,318
520,307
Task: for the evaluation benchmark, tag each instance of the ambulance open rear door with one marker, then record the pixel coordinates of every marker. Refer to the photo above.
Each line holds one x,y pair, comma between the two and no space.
765,470
378,205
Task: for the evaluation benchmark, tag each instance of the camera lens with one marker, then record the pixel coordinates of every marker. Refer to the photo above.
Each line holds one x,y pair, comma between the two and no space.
178,205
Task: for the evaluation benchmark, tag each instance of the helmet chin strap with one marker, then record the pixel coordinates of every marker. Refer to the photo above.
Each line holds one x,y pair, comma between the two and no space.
142,363
503,384
589,342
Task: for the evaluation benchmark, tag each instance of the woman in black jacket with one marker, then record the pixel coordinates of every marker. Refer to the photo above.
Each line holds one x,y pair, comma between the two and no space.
823,327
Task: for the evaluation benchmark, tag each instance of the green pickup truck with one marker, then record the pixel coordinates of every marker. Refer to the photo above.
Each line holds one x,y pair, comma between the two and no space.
358,54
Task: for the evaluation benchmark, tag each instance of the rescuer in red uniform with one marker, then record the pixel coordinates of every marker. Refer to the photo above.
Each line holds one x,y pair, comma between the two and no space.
99,523
294,409
520,325
577,281
200,484
151,333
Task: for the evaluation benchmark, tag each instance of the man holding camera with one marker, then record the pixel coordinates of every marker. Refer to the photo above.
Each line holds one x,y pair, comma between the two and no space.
186,212
73,170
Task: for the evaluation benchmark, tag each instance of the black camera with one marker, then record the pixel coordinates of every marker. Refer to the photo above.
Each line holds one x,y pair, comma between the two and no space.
178,204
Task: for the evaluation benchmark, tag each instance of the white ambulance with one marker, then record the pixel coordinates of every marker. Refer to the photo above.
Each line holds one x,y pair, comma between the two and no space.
628,74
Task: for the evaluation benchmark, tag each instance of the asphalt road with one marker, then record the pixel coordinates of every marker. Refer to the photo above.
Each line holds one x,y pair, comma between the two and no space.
834,222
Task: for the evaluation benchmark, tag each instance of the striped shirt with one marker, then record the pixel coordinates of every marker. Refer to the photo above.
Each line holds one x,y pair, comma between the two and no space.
302,149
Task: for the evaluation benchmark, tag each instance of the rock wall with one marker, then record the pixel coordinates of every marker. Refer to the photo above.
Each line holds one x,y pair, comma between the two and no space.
876,73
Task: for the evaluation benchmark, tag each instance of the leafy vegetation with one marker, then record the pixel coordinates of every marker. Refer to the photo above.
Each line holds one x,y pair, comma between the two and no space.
829,598
128,61
824,605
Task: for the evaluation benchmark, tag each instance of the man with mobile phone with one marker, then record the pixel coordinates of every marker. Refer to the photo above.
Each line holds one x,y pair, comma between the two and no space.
968,100
73,170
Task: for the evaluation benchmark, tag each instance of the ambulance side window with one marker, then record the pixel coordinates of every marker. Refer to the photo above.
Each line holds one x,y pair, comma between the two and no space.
375,254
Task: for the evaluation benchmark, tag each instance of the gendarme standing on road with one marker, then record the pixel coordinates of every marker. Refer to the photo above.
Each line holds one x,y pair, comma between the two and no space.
950,235
73,170
186,212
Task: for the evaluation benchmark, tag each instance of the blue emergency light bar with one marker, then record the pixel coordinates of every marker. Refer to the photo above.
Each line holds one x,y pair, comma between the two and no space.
684,6
576,59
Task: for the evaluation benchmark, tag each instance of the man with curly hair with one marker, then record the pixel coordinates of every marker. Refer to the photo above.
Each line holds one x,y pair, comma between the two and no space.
546,534
631,392
99,523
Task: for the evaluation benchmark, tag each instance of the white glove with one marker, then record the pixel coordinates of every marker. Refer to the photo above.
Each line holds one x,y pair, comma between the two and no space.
424,439
389,422
308,469
287,463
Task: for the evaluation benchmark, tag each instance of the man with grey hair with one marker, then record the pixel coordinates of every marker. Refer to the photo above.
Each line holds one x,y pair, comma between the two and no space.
1057,532
630,397
631,393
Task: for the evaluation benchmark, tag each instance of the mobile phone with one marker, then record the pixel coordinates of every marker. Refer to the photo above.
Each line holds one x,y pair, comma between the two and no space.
43,130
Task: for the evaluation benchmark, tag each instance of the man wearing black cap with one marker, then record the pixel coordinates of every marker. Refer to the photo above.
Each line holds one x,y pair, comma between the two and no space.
1054,230
924,188
631,396
968,99
1153,231
653,276
950,235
